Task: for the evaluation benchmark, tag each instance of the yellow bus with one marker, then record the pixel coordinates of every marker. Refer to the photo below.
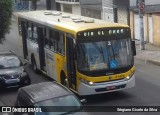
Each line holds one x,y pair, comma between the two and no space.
87,55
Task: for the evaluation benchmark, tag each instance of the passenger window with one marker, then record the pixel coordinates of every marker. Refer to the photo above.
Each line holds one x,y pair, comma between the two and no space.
54,40
35,36
46,38
61,44
30,31
53,37
19,27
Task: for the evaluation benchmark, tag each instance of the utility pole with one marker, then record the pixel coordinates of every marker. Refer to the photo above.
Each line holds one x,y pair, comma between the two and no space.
141,7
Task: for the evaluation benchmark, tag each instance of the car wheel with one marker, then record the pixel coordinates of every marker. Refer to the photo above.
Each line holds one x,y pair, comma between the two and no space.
27,82
64,82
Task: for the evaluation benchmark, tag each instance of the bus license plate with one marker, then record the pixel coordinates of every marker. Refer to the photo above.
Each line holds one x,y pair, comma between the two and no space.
111,87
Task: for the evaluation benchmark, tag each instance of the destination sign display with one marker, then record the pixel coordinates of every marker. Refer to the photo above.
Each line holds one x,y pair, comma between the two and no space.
102,33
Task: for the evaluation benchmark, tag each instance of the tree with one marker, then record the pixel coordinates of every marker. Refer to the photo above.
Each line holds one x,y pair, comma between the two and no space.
5,17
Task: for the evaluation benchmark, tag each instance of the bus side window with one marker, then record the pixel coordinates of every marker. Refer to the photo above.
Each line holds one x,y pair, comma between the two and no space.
35,36
19,27
52,40
61,44
29,31
46,40
46,43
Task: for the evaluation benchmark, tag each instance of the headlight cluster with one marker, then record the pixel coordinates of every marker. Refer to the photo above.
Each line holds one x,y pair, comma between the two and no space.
86,82
130,76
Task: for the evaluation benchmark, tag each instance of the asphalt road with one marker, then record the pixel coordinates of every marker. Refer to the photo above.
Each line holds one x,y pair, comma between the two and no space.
145,93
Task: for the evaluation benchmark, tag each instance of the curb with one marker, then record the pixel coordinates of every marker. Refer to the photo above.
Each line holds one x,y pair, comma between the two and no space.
155,62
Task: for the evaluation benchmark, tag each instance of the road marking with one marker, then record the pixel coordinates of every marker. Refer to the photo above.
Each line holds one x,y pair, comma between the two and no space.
140,70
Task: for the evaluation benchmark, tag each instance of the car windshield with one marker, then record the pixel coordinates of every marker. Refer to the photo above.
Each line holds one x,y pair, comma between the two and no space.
102,55
9,62
59,105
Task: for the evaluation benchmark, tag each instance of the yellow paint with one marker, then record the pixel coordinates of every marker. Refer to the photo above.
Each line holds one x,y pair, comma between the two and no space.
156,29
103,78
59,60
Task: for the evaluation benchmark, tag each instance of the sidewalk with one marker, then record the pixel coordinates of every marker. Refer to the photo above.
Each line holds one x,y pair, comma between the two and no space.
151,53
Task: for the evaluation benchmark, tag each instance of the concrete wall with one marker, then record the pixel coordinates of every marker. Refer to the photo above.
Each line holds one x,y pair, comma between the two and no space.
61,5
152,2
93,2
107,9
146,29
76,9
122,15
107,3
133,2
156,29
132,24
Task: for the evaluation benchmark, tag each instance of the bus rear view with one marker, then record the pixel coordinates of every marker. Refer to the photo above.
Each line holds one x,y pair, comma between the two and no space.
105,60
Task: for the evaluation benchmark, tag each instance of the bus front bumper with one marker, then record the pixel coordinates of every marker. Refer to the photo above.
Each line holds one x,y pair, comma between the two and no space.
105,87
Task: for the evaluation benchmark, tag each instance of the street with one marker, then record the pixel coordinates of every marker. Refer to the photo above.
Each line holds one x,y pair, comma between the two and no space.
145,93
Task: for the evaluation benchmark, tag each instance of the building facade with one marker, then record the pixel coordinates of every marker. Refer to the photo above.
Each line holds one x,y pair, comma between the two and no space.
69,6
27,5
91,8
151,23
109,10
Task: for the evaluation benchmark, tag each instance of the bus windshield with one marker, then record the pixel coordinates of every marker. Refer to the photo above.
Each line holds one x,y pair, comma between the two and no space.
104,55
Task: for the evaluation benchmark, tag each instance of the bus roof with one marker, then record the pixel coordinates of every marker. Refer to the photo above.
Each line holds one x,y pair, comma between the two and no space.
70,23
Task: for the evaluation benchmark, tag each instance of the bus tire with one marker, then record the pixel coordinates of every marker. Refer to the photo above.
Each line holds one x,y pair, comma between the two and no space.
34,64
64,79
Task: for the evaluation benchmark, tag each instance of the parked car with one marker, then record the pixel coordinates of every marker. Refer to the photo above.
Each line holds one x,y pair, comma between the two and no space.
51,97
12,72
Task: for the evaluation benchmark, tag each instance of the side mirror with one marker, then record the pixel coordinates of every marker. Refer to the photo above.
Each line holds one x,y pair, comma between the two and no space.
83,100
133,48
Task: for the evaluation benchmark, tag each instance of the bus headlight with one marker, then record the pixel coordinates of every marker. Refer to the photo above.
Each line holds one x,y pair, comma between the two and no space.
129,77
87,82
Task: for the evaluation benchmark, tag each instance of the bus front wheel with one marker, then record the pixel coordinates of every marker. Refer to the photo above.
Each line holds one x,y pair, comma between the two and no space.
64,80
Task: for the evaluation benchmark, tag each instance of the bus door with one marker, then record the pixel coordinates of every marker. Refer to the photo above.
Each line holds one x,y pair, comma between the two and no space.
71,70
24,39
41,48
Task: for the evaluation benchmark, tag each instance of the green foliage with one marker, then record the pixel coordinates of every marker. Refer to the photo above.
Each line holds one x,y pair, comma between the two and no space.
5,17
